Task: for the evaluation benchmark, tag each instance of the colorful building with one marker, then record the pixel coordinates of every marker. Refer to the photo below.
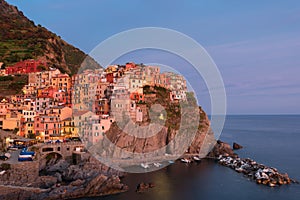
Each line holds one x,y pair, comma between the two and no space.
25,67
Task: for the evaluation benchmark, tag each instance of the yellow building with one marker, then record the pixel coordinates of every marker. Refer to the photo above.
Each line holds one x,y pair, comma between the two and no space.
11,121
61,82
111,69
68,128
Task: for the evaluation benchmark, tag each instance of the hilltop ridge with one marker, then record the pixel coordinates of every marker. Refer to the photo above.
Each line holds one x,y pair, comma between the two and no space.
21,39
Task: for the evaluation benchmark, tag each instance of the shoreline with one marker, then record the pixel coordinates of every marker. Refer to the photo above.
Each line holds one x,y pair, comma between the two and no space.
112,184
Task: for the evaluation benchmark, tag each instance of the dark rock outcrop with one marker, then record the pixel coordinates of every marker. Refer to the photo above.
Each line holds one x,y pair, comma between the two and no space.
143,187
98,186
236,146
61,180
221,149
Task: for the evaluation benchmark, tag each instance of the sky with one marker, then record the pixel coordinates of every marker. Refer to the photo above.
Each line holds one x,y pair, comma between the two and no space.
255,44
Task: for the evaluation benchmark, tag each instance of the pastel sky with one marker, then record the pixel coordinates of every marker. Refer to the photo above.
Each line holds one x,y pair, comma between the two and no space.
255,44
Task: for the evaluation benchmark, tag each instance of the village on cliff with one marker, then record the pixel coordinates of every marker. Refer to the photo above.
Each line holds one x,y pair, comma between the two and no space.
56,107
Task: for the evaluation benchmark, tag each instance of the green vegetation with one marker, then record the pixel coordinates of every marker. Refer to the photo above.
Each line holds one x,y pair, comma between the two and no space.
12,85
6,78
21,39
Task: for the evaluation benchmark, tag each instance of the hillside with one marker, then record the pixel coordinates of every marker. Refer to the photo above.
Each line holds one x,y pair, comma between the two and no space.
11,85
21,39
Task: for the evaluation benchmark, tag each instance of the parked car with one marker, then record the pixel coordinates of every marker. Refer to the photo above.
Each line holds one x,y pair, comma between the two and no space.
13,148
3,157
8,155
67,140
76,139
57,141
21,146
49,142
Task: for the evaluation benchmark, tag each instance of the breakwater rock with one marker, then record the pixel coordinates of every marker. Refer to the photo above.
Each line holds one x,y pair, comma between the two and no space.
258,172
143,187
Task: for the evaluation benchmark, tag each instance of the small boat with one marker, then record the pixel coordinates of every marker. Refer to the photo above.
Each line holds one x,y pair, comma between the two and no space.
145,165
197,158
20,159
157,164
171,161
185,160
25,156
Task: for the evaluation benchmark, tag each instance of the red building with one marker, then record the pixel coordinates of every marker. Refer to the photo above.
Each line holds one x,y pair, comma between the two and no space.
130,65
110,78
25,67
46,92
137,97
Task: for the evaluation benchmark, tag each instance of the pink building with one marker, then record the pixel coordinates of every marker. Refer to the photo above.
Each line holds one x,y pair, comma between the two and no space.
47,126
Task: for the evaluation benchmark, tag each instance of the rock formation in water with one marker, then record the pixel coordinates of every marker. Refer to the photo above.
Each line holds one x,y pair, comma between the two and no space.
236,146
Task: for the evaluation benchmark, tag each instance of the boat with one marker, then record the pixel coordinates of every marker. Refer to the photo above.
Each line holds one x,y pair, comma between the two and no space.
171,161
197,158
25,156
157,164
20,159
145,165
185,160
27,153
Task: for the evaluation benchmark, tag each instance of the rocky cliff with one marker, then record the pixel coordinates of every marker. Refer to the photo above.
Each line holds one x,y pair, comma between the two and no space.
184,128
60,180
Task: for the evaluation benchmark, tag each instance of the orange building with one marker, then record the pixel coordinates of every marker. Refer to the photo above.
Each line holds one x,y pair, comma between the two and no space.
61,82
137,97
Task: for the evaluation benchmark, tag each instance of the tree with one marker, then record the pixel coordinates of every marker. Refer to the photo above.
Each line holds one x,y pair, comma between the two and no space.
31,136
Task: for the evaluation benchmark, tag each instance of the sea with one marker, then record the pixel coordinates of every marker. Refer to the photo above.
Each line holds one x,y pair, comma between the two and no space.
273,140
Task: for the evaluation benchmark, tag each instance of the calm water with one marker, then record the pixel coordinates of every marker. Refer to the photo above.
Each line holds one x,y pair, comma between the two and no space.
271,140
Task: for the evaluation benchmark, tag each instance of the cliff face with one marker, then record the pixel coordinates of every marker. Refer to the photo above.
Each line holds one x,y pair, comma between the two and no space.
21,39
186,126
